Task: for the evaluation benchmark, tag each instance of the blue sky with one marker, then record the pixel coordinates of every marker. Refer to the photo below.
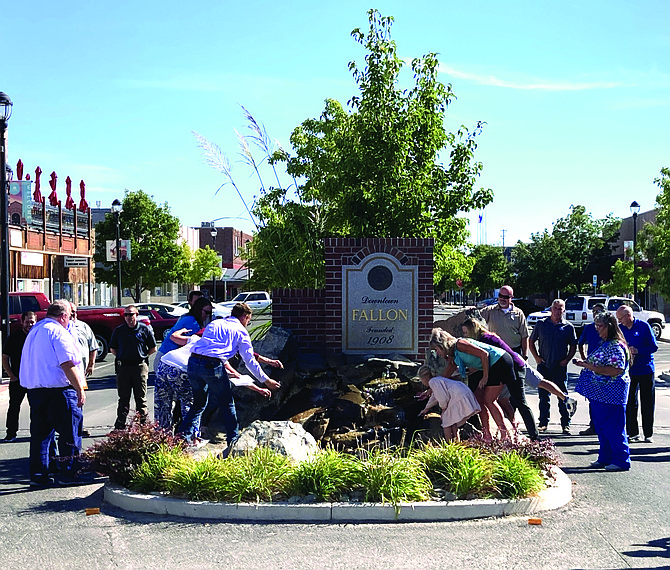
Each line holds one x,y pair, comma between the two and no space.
576,95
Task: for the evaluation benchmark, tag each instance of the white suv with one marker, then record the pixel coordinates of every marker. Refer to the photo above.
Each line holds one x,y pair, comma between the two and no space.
578,310
255,299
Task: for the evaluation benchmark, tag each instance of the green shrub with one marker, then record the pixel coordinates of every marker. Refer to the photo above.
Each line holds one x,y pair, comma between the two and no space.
514,476
327,476
259,475
125,450
153,473
388,478
460,469
201,480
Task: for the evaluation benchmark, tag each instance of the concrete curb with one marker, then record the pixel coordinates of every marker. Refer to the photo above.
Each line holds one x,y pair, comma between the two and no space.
553,497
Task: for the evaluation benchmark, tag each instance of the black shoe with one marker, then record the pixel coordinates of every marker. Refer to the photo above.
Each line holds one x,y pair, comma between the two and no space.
69,480
588,431
41,481
85,433
9,438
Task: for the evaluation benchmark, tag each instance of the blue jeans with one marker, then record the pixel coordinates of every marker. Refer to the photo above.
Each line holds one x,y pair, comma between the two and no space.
54,410
559,376
209,376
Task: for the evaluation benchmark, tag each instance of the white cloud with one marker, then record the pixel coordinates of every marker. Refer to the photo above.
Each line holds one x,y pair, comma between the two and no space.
537,85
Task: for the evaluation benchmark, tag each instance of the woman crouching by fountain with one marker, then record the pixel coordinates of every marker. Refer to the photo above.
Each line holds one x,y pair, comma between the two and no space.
493,368
456,400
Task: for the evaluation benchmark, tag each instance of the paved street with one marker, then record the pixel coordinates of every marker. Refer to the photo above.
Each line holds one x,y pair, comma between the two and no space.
616,520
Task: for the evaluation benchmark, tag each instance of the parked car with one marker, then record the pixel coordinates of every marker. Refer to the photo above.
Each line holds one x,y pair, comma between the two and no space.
102,320
537,316
160,320
578,309
655,319
486,302
164,309
220,311
526,306
255,299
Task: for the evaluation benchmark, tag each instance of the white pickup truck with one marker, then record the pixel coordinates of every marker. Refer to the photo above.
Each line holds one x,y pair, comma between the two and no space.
257,300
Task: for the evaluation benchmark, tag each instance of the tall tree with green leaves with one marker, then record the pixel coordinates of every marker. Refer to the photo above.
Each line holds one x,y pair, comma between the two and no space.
565,260
622,282
490,270
370,170
157,257
204,264
655,238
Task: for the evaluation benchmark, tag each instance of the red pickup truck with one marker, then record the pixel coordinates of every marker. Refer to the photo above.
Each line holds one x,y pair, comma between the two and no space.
102,320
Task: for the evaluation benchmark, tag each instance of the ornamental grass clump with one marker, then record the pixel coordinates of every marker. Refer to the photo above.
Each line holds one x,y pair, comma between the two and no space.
328,475
259,475
385,477
153,474
206,479
515,477
462,470
124,450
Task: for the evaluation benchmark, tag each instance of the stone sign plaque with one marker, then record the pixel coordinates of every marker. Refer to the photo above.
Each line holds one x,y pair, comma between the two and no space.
380,306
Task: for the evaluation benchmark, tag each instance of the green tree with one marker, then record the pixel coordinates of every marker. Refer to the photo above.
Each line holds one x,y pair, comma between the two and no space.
157,257
655,238
204,264
490,268
371,170
578,247
622,279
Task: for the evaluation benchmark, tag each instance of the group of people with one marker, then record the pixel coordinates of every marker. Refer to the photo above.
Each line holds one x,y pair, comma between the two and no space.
617,363
50,360
192,368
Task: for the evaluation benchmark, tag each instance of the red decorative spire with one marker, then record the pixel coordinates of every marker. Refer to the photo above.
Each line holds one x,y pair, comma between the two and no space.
69,202
37,195
53,197
83,204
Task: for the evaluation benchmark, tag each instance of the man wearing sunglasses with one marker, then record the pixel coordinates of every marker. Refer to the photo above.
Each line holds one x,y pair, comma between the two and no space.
508,321
132,343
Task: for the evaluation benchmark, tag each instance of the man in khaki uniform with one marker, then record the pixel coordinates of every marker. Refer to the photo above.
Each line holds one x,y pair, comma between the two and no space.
508,321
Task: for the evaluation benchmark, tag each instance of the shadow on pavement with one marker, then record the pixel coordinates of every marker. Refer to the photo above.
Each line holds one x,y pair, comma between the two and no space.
661,548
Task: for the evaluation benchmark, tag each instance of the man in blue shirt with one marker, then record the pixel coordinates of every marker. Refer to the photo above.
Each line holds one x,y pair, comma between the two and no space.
557,345
642,345
591,339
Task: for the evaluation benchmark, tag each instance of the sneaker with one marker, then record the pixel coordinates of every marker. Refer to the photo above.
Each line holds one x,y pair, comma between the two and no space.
649,439
615,467
634,438
571,405
566,430
9,438
596,464
542,428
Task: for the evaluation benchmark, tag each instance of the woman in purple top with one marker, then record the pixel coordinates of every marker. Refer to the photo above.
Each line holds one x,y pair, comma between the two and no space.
474,329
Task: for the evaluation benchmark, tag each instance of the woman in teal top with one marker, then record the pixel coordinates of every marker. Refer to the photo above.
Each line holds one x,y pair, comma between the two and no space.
492,368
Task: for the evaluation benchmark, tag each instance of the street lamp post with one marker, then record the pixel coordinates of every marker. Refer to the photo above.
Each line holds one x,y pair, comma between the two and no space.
117,208
635,209
213,233
5,113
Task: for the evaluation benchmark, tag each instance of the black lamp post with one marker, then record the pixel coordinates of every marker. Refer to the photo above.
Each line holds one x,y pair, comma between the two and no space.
117,208
635,209
213,233
5,113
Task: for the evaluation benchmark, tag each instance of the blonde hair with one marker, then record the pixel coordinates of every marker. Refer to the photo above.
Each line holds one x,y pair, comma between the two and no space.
475,328
441,338
425,371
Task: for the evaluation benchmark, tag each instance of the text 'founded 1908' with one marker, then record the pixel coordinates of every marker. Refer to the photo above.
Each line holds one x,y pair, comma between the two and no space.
379,306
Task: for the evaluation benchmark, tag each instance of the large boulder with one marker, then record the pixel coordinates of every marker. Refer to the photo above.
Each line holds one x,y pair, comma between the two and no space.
287,438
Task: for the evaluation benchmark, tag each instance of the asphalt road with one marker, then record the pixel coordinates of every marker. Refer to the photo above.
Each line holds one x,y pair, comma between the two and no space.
616,520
